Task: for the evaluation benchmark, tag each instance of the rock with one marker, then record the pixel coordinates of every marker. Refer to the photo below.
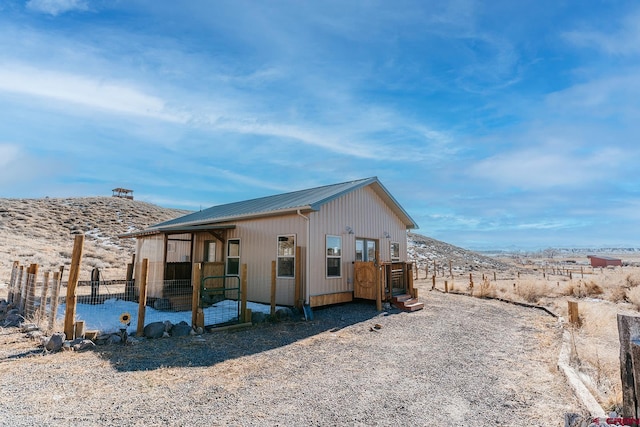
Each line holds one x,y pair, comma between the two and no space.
258,317
284,313
114,339
29,327
154,330
182,329
35,335
56,341
13,319
83,345
167,325
162,304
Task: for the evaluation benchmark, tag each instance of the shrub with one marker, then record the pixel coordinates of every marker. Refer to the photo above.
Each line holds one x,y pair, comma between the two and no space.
532,292
633,295
591,288
632,280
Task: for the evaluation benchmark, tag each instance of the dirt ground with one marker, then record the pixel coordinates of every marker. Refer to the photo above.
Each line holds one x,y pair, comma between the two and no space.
460,361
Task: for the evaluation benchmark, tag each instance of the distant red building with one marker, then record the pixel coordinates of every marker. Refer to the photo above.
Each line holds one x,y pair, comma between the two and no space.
604,261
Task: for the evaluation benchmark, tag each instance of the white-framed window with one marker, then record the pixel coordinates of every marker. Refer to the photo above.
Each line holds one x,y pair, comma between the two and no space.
334,256
286,255
395,251
233,257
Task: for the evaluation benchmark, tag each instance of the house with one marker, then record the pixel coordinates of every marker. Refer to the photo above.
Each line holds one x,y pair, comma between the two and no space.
604,261
319,246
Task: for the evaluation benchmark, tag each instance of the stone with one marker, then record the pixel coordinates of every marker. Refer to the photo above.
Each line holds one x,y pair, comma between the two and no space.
84,345
154,330
284,313
114,339
56,341
258,317
29,327
13,319
34,335
162,304
182,329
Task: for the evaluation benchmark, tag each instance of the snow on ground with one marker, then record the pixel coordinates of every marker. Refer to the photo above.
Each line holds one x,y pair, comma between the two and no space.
106,317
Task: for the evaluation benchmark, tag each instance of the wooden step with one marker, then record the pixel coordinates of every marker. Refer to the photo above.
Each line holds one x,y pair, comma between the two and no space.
407,303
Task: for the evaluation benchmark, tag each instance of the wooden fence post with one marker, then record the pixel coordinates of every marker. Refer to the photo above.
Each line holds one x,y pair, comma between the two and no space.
142,301
433,282
629,334
426,271
243,293
574,316
32,278
12,282
74,273
55,296
446,287
196,285
273,288
451,268
42,310
18,300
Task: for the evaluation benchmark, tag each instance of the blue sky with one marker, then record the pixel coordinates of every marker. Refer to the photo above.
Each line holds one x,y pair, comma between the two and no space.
494,123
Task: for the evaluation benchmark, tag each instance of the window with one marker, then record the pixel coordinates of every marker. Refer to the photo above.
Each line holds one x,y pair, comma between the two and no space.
365,250
395,251
334,256
286,256
209,251
233,257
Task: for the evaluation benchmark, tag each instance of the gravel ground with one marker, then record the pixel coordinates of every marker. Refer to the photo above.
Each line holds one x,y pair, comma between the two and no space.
460,361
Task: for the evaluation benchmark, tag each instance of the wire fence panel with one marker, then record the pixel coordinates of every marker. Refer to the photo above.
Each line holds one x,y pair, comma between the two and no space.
35,300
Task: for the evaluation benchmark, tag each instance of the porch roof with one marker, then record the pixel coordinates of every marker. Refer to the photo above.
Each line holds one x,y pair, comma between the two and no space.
177,230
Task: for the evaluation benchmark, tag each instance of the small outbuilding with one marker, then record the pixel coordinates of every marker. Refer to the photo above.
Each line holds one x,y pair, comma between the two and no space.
604,261
318,246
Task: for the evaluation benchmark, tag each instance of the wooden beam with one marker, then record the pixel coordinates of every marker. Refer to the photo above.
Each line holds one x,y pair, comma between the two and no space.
629,332
74,273
55,296
327,299
142,302
574,316
196,285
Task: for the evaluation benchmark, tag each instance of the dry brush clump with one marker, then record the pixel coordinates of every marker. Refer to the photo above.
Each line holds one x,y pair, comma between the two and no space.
532,291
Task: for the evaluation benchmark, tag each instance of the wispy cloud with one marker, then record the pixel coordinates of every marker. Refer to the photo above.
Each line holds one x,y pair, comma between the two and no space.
623,40
57,7
111,96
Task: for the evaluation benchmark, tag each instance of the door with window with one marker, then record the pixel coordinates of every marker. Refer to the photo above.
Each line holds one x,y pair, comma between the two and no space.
365,271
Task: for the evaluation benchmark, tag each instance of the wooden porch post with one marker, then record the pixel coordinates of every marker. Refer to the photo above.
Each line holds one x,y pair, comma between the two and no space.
243,293
197,320
142,303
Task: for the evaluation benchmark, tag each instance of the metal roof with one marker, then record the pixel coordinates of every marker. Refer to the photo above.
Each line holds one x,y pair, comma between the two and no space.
304,200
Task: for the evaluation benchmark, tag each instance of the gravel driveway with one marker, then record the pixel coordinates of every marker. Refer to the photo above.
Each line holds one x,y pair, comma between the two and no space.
460,361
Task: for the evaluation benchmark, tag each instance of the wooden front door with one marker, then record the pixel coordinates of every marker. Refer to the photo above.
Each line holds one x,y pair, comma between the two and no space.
365,280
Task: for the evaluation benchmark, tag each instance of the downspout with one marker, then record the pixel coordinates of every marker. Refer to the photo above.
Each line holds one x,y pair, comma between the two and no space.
308,258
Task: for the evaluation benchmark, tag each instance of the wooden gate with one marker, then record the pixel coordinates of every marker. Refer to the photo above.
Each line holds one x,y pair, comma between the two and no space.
365,280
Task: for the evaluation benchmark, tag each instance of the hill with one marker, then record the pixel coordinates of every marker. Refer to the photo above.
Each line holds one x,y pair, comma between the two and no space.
41,231
425,250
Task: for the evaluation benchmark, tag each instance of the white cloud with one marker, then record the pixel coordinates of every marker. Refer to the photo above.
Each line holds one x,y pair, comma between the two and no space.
8,154
56,7
546,166
624,41
91,92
